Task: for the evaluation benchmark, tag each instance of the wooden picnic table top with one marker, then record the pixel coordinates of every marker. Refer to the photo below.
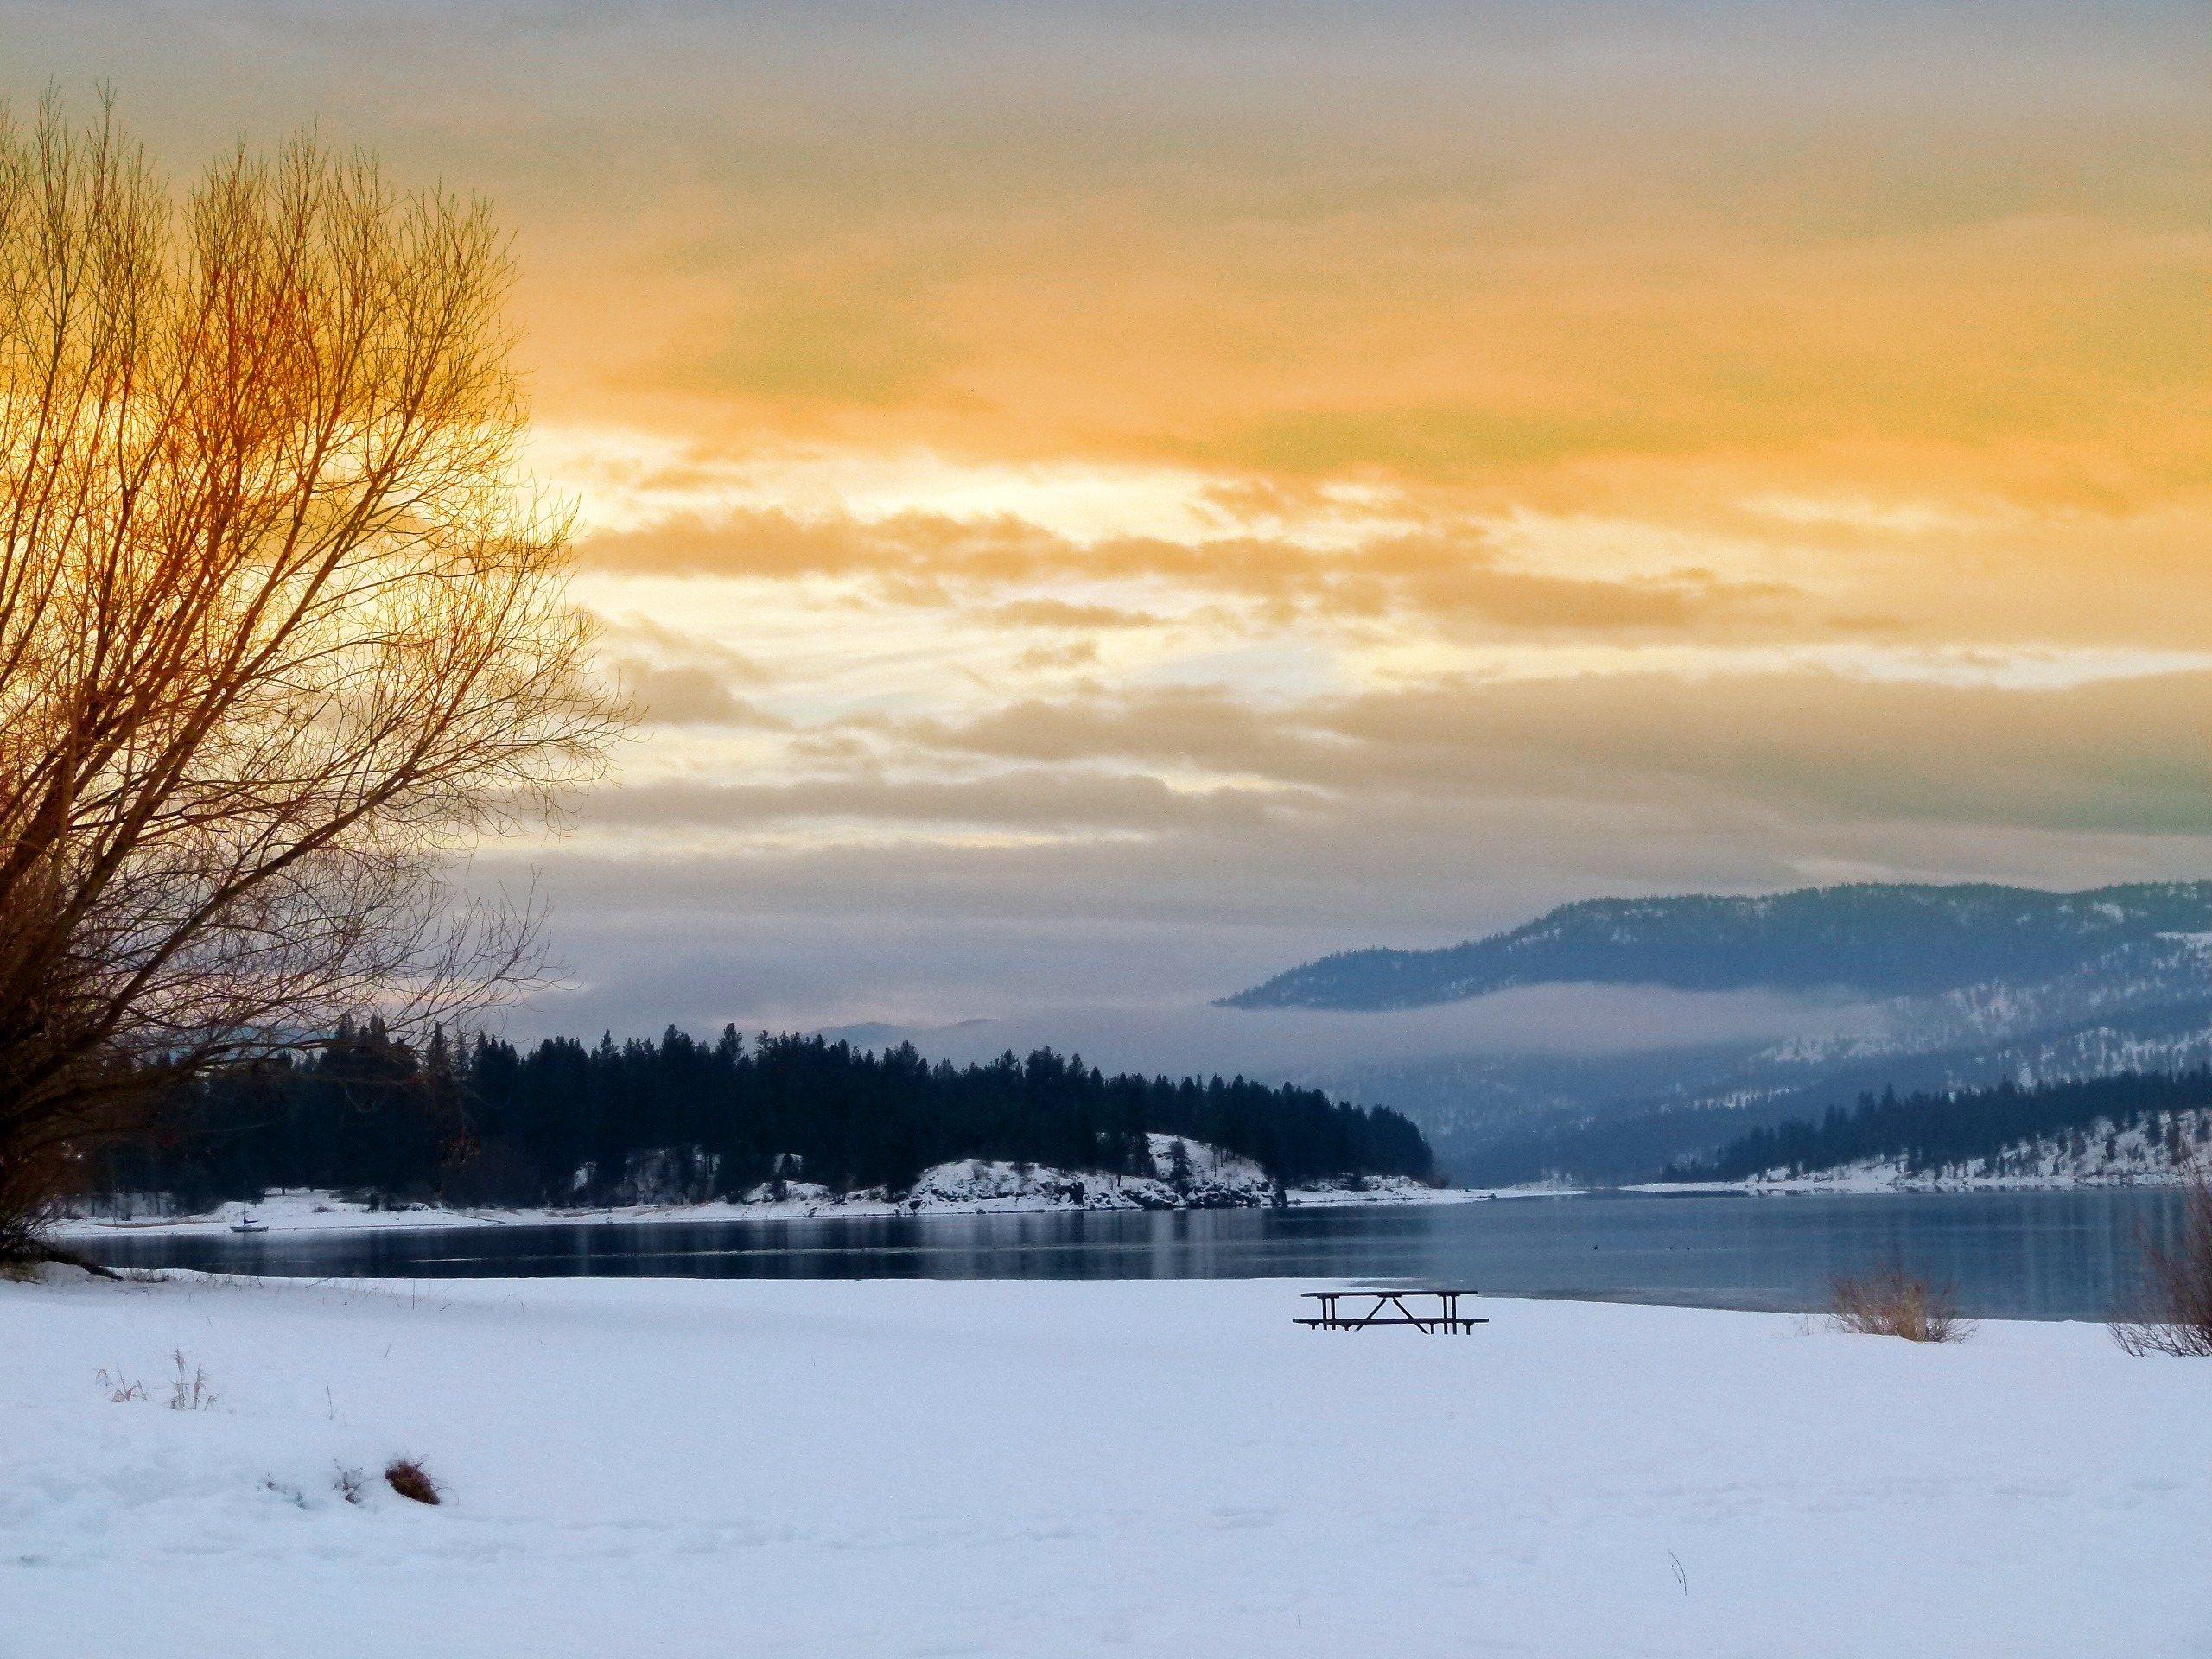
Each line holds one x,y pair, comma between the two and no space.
1326,1294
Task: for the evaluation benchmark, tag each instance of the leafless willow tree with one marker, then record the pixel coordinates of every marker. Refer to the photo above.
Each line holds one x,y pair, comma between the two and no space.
2176,1318
281,631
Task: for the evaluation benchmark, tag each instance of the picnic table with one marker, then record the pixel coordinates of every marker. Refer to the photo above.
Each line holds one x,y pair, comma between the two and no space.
1427,1311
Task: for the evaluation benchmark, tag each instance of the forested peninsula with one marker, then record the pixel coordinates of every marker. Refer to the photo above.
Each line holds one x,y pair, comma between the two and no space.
681,1120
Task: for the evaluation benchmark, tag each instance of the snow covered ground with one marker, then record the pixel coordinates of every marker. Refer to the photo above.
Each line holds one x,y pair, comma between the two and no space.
675,1469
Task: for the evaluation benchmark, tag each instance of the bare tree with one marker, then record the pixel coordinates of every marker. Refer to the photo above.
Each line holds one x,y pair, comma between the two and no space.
281,630
2177,1319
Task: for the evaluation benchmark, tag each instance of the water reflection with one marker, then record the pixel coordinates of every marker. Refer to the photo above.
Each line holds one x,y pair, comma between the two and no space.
2024,1254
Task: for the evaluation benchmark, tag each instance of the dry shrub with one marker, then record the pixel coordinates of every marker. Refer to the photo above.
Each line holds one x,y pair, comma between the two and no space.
189,1390
2178,1318
410,1479
120,1389
1894,1303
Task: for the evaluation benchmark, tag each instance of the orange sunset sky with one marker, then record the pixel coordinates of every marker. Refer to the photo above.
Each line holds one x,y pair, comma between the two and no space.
1101,502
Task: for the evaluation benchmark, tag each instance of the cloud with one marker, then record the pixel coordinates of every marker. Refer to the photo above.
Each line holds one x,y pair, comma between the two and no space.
2121,756
921,931
690,696
1078,801
1518,374
1037,859
635,632
1517,243
1060,613
935,560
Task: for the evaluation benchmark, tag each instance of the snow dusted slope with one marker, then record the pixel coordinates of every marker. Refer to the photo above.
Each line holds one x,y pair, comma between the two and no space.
2102,1153
657,1469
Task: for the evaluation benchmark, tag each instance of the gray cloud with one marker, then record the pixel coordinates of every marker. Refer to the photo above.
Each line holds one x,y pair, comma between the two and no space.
1412,818
2125,755
1030,797
931,933
691,695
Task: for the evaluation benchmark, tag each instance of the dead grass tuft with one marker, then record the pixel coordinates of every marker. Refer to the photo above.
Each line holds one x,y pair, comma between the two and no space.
2178,1318
120,1389
188,1389
409,1478
1894,1303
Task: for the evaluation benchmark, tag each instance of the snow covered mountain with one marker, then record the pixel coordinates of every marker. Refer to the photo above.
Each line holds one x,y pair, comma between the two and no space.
1959,986
1880,940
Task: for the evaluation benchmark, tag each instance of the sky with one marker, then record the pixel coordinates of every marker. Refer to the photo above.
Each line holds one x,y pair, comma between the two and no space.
1100,503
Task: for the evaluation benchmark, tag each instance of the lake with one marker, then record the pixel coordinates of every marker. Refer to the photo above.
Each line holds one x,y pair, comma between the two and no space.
2050,1256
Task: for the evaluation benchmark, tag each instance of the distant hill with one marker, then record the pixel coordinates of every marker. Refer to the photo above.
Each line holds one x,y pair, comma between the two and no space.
1879,940
2129,1126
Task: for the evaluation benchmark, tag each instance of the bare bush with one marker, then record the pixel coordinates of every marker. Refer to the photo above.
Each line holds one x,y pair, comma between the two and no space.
1892,1302
407,1477
188,1389
120,1389
282,630
2178,1280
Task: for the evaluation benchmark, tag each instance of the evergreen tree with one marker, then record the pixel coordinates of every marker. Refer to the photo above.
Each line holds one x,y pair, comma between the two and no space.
485,1123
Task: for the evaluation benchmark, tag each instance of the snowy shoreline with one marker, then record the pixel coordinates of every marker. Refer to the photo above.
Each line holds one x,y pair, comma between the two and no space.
1862,1182
325,1212
691,1468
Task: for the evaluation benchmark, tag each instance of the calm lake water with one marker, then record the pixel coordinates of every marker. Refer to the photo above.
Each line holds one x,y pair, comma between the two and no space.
2055,1255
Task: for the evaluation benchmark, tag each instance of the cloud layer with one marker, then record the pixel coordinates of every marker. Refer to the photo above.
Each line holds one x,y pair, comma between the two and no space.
1096,501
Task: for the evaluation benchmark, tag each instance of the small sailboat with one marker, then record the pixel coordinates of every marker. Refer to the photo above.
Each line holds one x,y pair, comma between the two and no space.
249,1223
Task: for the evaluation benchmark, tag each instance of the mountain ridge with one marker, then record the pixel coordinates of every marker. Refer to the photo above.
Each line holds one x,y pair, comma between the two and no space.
1882,939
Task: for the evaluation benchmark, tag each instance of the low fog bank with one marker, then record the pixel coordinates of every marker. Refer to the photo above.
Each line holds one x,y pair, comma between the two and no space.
1134,995
1562,1021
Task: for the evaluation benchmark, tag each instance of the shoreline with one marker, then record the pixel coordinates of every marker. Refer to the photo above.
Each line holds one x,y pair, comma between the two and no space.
297,1213
1907,1186
322,1212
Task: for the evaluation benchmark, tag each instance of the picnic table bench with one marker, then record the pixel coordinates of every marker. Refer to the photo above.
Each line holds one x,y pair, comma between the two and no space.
1427,1311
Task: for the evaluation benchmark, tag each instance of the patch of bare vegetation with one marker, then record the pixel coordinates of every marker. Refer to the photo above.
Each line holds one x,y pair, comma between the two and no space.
2177,1315
1892,1302
120,1389
409,1478
189,1390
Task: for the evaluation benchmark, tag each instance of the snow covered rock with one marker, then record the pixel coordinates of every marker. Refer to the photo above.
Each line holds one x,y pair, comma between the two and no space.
782,1191
1192,1176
